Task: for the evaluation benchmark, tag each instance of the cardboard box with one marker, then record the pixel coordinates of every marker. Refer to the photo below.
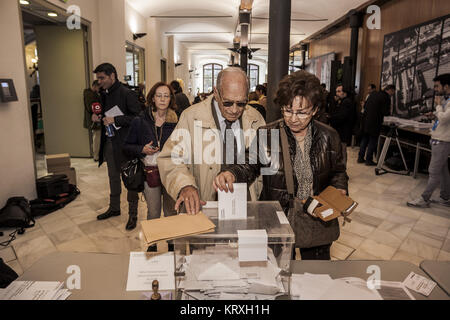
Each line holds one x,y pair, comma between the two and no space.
70,173
57,162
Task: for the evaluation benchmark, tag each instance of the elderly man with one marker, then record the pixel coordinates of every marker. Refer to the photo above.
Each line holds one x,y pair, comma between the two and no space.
224,113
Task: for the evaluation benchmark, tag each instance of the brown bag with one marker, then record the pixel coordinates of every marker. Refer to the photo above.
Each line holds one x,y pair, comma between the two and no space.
309,231
152,176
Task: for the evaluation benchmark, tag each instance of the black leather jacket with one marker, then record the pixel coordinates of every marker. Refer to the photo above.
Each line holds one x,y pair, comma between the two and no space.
327,161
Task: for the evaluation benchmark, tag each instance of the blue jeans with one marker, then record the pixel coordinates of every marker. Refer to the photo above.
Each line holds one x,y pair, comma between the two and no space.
438,171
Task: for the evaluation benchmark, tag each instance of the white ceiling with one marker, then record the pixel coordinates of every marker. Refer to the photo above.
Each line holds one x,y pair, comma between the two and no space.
212,36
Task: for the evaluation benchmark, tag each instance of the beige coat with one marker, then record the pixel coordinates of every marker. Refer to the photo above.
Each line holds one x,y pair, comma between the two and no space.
177,176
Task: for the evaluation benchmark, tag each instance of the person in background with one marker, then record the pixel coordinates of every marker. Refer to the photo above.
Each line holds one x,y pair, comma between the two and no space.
141,95
370,89
181,100
227,109
253,101
440,147
342,116
261,92
115,94
377,106
92,96
148,134
322,115
315,152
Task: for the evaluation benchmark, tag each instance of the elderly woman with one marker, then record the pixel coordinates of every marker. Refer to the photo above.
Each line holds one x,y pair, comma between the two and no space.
147,136
316,161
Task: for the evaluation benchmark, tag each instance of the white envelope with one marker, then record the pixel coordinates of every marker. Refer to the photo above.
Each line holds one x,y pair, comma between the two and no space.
233,206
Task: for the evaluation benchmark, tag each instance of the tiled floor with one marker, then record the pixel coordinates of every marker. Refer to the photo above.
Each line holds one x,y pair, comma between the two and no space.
383,227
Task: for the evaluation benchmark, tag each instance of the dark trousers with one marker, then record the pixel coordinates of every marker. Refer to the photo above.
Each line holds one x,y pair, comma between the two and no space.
315,253
368,143
115,185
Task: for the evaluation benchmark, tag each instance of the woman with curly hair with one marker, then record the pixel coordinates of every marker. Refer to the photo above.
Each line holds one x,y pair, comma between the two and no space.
316,159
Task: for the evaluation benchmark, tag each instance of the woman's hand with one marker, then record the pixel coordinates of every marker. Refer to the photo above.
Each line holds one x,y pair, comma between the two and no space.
224,181
149,150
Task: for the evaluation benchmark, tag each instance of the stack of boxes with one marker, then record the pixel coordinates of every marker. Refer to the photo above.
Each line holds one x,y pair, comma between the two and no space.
60,164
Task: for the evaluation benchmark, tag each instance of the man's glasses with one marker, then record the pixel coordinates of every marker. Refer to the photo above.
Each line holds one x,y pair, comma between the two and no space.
229,104
301,115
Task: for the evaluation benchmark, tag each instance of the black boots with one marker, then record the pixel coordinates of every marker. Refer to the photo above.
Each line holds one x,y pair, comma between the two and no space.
133,213
108,214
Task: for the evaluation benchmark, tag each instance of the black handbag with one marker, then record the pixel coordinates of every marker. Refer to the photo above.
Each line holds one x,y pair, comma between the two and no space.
16,214
309,231
133,175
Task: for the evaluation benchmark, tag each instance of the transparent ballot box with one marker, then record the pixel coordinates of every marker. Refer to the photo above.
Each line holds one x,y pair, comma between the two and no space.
208,266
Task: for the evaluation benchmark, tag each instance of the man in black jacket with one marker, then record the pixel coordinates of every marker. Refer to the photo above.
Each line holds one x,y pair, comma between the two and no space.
91,96
181,100
377,106
342,116
114,94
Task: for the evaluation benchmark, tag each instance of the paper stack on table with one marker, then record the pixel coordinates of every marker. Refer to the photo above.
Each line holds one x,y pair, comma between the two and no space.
174,227
215,273
323,287
35,290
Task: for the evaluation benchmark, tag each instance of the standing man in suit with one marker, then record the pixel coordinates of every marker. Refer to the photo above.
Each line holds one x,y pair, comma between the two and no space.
116,95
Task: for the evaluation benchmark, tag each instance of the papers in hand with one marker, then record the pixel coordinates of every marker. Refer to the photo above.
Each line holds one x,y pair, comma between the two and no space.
233,205
252,245
145,267
35,290
114,112
178,226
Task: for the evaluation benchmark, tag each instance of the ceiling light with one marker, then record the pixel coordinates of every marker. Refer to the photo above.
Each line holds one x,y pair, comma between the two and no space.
52,14
24,2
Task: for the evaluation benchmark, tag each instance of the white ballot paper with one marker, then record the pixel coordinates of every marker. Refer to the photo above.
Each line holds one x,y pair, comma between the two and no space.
252,245
233,206
419,284
145,267
114,112
34,290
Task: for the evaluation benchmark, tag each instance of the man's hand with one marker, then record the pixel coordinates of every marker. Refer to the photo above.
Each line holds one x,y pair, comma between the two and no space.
224,182
108,120
189,195
96,118
149,150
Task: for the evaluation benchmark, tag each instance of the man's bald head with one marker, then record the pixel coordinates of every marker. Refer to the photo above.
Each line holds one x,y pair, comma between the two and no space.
233,76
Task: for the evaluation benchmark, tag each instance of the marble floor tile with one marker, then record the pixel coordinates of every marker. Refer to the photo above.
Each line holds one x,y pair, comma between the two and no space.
399,230
376,212
419,249
408,257
375,187
350,239
15,265
360,254
443,256
436,220
30,234
56,225
431,230
386,238
367,219
377,249
7,254
84,217
412,213
94,226
31,251
340,251
435,243
446,246
402,220
360,229
65,235
82,244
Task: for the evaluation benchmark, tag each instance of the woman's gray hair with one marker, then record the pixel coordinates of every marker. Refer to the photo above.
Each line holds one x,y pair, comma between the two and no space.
231,69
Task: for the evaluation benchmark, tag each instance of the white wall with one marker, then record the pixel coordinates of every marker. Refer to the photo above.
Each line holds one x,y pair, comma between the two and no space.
16,161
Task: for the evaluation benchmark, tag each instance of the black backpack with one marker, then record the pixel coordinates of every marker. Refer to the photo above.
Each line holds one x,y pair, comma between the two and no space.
133,175
16,214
